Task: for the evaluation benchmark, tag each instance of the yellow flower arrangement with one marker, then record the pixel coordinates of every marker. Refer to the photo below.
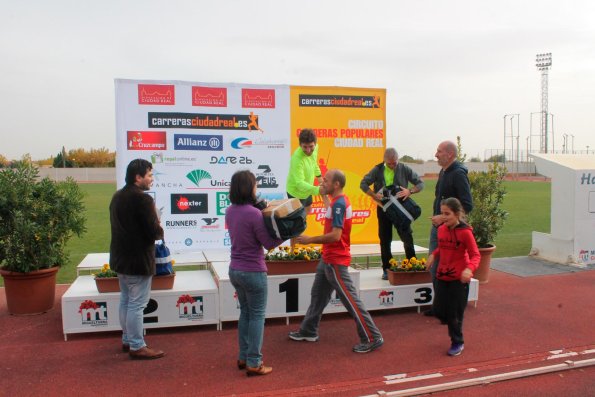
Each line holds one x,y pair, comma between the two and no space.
408,265
285,253
105,272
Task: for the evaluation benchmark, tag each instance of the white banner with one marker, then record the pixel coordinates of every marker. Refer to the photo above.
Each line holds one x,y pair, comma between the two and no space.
197,135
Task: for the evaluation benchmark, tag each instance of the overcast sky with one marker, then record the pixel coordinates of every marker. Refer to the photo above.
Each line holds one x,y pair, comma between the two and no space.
449,67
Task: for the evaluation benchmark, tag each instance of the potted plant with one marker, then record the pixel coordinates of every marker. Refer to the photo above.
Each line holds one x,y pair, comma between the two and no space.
37,218
408,271
488,216
284,260
106,280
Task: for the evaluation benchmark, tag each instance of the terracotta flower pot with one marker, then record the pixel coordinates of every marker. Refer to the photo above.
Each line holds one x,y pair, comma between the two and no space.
482,274
406,278
111,284
30,293
291,267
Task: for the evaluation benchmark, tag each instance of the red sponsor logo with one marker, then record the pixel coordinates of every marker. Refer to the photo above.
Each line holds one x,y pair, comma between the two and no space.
209,96
155,94
258,98
146,140
183,203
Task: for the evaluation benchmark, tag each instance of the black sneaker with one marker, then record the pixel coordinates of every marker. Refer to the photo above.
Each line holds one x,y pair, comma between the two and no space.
368,347
299,335
456,349
429,313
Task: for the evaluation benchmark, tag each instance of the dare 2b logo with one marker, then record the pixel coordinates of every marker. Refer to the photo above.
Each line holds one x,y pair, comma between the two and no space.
93,313
190,307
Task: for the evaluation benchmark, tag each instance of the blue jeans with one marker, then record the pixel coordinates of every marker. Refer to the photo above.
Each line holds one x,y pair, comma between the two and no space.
252,291
135,292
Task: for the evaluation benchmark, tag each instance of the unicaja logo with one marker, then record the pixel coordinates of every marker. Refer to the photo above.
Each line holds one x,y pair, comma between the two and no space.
93,313
386,298
196,176
190,307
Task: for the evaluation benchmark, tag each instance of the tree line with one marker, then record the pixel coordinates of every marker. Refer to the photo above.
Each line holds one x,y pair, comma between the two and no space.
74,158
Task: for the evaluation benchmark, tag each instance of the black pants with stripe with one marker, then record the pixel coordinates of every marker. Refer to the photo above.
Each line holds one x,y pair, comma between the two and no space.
331,278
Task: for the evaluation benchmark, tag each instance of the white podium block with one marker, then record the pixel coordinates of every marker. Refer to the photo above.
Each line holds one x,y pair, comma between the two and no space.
378,294
193,300
288,295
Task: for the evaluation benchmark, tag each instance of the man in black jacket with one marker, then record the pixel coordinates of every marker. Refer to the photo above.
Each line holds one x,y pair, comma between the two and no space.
453,181
135,227
391,172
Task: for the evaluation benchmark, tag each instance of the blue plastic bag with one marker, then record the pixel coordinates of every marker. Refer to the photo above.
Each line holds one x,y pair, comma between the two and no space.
163,260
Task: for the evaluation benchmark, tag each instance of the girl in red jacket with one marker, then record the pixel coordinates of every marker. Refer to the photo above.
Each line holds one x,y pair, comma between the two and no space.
458,258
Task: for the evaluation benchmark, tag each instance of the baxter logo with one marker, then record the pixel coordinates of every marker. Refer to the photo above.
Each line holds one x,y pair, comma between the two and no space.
194,203
196,176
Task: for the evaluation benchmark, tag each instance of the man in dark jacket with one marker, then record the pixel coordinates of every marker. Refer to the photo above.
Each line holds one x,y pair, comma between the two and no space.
391,172
135,227
453,181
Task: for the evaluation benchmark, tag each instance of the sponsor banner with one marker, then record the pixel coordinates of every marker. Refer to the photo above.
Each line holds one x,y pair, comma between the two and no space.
227,160
198,142
181,224
204,121
146,140
339,101
352,126
192,203
156,94
258,143
209,96
197,134
258,98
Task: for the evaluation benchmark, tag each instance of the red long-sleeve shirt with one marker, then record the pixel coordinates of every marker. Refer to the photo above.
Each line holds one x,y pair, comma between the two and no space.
457,250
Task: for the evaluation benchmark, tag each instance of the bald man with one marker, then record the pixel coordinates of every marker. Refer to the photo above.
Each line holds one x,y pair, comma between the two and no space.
453,181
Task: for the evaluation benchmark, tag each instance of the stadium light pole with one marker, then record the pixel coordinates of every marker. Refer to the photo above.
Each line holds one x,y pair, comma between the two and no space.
572,136
511,136
543,62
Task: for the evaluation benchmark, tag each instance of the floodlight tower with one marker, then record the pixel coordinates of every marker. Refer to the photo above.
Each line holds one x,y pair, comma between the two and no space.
543,63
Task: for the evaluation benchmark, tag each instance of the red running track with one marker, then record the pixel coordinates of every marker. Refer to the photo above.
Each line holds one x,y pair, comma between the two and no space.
515,325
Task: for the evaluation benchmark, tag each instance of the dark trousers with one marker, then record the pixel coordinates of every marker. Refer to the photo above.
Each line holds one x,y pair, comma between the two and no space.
385,234
450,302
331,278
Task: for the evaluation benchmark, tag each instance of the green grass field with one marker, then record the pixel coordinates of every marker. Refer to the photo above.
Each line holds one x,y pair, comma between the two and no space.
527,202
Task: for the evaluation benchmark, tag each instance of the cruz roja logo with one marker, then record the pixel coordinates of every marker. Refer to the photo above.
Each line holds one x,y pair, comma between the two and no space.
265,179
386,298
93,313
190,307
